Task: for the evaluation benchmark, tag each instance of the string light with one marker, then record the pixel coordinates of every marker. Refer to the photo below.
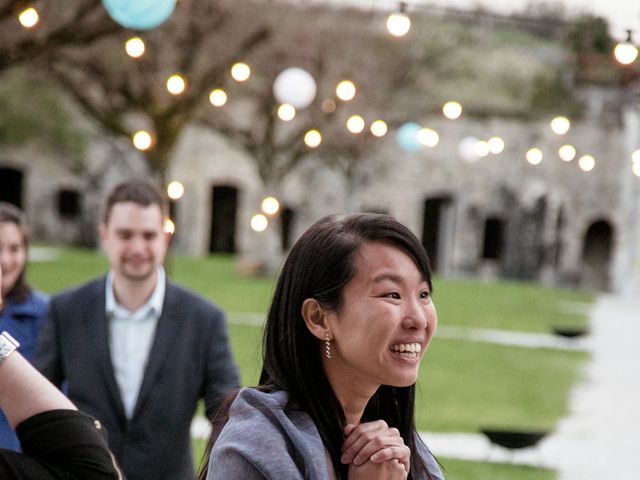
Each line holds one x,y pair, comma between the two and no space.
175,190
240,72
286,112
586,163
270,205
496,145
176,84
218,97
626,52
534,156
328,106
142,140
399,23
482,148
169,226
313,138
259,222
428,137
379,128
567,152
29,17
135,47
355,124
452,110
560,125
346,90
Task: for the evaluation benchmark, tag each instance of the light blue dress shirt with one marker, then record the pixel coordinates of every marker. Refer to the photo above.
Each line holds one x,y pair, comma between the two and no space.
131,336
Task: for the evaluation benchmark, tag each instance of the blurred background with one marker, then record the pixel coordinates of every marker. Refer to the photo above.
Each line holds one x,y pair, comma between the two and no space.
506,136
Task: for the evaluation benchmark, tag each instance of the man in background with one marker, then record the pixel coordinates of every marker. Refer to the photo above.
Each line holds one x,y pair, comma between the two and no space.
135,350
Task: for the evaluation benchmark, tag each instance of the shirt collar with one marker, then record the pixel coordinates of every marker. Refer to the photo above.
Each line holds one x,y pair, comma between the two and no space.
154,304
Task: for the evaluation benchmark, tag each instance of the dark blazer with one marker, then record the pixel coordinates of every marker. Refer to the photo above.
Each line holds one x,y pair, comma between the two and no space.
190,359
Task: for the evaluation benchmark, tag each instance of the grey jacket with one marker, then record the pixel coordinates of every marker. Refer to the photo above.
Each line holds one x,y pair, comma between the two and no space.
267,439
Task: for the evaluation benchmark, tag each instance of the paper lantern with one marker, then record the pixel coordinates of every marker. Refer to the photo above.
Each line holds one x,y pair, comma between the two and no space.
407,137
295,86
139,14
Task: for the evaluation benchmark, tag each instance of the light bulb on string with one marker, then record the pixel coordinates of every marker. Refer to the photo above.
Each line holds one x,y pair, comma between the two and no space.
218,97
496,145
399,23
176,84
270,205
567,152
286,112
135,47
355,124
313,138
379,128
428,137
29,17
534,156
259,223
240,72
587,163
626,52
346,90
452,110
142,140
175,190
560,125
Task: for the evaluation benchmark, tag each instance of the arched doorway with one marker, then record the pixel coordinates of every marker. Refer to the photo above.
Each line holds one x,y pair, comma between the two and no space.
224,207
11,186
596,255
437,231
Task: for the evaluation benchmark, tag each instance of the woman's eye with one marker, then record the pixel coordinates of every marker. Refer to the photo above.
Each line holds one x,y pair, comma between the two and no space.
424,294
394,295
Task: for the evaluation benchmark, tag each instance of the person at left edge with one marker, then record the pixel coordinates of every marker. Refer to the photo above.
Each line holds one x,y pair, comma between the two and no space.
24,308
138,351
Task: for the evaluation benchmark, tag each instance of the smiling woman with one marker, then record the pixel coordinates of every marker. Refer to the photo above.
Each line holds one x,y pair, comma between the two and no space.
348,326
24,308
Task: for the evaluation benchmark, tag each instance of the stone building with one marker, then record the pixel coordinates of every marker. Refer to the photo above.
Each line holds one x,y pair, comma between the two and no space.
487,217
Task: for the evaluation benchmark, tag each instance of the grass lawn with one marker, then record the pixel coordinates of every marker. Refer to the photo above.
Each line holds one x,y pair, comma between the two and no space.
463,385
465,470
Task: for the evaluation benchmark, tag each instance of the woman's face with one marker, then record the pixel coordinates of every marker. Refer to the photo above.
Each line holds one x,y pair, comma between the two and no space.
13,255
385,322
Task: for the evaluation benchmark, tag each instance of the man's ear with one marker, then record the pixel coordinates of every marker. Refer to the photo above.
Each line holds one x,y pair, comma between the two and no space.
102,232
315,317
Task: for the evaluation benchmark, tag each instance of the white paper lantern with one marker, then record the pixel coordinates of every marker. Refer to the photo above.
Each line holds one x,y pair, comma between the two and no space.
296,87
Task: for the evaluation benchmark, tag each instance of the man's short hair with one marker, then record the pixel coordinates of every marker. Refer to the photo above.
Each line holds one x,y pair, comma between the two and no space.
139,191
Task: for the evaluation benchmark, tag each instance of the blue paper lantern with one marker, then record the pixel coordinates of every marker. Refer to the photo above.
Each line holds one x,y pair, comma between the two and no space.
407,137
140,14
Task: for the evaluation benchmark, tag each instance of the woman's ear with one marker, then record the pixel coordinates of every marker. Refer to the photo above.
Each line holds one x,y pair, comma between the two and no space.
315,318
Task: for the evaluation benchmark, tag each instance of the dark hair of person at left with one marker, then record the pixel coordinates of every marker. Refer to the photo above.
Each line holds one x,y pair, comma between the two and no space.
319,266
11,214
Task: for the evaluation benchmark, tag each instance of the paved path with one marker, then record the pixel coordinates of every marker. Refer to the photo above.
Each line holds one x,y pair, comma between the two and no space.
600,438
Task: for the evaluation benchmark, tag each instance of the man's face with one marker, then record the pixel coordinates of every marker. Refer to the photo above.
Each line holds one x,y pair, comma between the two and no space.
134,240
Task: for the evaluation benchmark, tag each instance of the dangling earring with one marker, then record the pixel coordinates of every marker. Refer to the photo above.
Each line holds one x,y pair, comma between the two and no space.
327,345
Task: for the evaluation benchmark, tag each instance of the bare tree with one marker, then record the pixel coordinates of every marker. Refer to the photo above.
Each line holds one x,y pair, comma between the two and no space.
200,42
74,22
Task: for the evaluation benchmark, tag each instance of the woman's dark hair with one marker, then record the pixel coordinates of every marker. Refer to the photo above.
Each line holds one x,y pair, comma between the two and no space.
318,266
11,214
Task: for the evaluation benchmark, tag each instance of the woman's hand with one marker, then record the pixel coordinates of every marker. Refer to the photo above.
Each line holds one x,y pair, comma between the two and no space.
373,448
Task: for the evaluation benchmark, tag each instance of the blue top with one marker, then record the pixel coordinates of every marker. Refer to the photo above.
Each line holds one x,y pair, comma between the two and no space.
23,321
266,437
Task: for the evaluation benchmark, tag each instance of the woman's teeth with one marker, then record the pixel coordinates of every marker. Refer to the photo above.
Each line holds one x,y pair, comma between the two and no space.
406,347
